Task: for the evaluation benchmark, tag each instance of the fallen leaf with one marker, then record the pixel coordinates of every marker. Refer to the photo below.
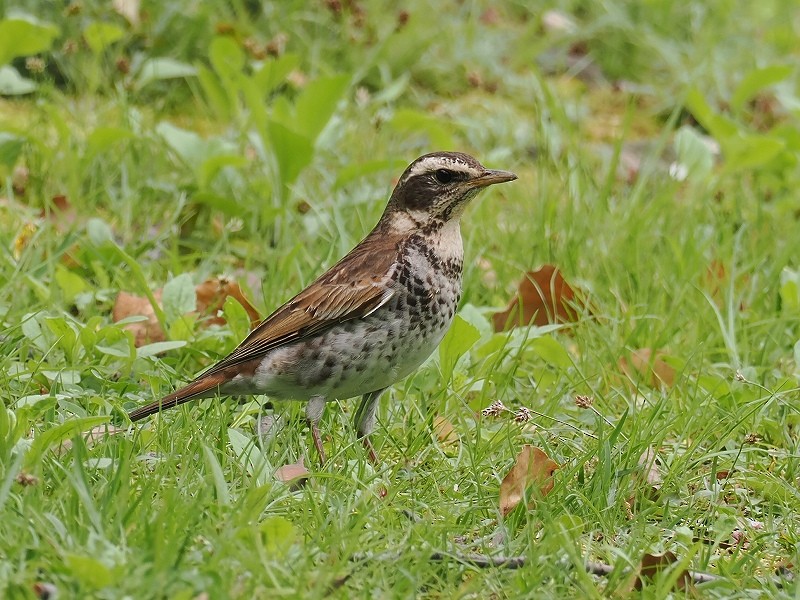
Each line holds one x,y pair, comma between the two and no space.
646,364
532,468
445,432
211,295
294,474
210,298
545,296
131,305
650,566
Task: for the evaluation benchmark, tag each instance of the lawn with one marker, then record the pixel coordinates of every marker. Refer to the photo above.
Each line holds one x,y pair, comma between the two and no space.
171,171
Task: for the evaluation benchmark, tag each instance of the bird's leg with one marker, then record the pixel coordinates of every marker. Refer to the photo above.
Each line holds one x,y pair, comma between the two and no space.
314,410
365,421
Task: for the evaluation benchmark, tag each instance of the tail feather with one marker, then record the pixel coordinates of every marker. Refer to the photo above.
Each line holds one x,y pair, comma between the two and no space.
199,388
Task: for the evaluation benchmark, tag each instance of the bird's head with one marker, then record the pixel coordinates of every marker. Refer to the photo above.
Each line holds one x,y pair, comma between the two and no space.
436,187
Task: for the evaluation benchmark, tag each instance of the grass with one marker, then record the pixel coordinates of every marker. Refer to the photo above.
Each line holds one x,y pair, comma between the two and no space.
254,180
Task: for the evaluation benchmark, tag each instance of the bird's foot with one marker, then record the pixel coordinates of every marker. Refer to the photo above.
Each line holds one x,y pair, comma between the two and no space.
315,435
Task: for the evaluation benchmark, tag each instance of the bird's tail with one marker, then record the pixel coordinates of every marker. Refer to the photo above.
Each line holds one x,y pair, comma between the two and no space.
202,387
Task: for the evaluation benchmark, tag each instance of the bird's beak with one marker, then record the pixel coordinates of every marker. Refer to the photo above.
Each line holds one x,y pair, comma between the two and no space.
490,177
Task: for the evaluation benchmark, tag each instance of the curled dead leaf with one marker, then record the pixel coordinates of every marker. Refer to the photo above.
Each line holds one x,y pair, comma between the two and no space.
645,364
444,431
131,305
294,474
652,564
532,468
543,297
211,295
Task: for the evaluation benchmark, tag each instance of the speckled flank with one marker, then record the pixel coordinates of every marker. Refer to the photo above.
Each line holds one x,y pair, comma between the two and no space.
374,352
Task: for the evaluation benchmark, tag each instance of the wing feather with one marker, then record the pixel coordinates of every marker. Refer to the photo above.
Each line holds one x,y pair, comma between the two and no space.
354,288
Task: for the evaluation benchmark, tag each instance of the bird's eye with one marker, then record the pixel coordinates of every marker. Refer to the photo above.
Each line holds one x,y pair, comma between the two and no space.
444,176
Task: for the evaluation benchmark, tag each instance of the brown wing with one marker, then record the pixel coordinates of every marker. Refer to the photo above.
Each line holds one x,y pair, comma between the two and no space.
353,288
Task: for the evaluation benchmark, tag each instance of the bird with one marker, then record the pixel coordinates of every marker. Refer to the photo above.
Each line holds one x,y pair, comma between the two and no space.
371,319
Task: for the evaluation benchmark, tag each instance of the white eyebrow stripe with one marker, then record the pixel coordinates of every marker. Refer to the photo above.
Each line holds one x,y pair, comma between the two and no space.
432,163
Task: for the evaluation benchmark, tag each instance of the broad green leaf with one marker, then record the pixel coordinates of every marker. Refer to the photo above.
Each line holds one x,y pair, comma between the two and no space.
273,73
750,151
179,297
718,126
249,456
158,348
226,56
10,148
220,484
23,37
71,284
757,80
317,103
457,341
236,317
99,35
693,153
212,166
277,534
59,434
99,232
64,332
186,144
195,151
293,151
159,69
551,351
32,330
13,84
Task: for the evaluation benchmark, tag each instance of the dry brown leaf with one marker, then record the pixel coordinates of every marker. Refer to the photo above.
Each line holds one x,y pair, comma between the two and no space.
545,296
211,295
648,365
445,432
294,474
131,305
532,468
650,566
